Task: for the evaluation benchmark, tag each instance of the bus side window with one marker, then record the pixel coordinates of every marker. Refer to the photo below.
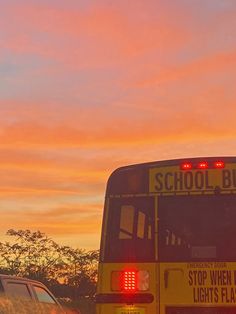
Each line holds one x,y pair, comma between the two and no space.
134,224
171,239
141,225
167,238
144,226
149,229
126,222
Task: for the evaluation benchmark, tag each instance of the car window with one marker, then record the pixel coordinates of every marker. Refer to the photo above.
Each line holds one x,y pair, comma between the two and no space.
43,295
18,290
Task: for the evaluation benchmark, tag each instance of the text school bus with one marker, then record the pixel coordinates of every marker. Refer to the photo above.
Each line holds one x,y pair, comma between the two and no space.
169,239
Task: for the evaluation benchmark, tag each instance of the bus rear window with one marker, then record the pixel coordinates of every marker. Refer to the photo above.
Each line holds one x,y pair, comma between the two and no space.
201,227
130,230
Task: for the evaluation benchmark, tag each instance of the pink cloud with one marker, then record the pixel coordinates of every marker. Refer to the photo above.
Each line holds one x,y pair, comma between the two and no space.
103,35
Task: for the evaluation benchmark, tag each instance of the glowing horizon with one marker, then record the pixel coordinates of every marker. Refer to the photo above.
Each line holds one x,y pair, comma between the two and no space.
88,86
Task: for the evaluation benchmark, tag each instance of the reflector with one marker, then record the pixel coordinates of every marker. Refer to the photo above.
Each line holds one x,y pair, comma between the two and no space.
116,280
142,280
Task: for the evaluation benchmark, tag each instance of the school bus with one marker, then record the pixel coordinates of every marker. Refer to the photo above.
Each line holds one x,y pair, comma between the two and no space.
169,238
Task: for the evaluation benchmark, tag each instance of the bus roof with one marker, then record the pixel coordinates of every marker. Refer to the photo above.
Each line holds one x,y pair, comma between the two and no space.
119,180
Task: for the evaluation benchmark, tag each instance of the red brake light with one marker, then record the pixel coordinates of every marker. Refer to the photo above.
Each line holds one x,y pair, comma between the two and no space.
130,281
202,165
219,164
186,166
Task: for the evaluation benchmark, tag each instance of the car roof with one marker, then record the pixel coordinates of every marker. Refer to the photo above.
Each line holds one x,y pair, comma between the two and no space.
4,276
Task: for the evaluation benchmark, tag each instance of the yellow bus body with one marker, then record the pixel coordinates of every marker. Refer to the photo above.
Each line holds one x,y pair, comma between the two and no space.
186,287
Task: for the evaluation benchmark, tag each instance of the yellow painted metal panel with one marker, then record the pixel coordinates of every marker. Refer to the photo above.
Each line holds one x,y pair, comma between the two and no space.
104,286
130,310
198,284
173,180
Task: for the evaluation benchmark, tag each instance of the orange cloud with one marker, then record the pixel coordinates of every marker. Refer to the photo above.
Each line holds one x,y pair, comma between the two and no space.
84,91
69,221
150,129
205,66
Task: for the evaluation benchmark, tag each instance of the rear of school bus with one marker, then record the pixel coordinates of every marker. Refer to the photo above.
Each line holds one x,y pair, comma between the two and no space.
169,239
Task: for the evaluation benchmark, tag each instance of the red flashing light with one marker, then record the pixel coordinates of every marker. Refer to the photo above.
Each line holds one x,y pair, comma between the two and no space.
130,281
186,166
202,165
219,164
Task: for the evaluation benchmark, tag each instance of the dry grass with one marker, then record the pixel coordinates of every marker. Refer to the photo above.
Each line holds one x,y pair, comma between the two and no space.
85,306
25,306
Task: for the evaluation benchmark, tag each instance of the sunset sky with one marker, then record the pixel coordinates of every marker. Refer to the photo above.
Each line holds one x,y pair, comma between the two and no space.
87,86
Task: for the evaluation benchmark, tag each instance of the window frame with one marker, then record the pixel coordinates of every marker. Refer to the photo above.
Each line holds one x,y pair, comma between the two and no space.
36,285
117,251
191,251
6,282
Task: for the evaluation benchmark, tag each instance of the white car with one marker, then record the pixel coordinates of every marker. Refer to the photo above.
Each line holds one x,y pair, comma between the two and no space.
22,295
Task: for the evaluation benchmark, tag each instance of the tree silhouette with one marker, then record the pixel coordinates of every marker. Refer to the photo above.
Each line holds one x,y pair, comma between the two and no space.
69,272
